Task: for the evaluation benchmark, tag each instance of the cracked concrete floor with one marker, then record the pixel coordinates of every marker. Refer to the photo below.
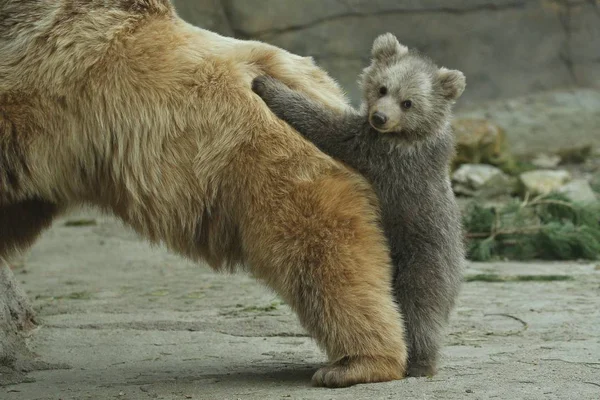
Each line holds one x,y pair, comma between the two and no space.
122,320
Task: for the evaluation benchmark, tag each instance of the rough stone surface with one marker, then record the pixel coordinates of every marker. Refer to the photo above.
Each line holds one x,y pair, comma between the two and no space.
208,14
545,122
544,181
16,318
134,322
579,190
475,175
582,25
505,47
479,141
482,180
595,183
546,161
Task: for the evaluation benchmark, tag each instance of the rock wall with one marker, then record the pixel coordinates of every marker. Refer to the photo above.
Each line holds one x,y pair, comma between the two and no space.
16,317
506,48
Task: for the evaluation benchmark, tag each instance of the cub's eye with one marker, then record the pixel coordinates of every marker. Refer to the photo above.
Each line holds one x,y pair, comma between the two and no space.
383,90
406,104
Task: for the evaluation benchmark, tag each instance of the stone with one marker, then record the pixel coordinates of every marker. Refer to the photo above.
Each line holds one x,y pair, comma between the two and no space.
475,175
579,190
595,182
546,161
575,154
545,122
277,15
482,180
16,318
584,29
543,181
478,141
208,14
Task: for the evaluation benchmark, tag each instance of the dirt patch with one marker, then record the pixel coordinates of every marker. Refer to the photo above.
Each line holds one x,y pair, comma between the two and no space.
135,322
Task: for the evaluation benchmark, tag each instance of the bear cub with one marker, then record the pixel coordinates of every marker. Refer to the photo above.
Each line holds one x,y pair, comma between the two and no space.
401,141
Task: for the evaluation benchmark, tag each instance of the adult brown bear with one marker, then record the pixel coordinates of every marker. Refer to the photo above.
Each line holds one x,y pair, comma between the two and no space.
122,105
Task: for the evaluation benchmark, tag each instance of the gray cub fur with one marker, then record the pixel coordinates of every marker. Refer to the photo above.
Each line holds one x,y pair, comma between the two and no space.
401,140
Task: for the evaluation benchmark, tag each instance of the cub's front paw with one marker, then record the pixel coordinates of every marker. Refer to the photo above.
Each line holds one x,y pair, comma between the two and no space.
264,85
261,83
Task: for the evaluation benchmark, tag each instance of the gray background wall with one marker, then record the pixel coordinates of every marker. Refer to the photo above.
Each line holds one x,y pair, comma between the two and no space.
506,48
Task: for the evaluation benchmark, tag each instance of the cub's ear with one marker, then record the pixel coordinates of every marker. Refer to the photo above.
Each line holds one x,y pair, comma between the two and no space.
453,83
386,48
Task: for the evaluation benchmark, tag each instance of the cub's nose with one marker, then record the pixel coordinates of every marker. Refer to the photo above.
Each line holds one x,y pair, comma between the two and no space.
378,119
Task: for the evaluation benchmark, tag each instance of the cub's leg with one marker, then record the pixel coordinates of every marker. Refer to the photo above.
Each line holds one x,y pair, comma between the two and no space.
321,249
426,287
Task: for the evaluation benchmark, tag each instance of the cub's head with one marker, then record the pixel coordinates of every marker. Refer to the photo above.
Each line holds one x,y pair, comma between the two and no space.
406,93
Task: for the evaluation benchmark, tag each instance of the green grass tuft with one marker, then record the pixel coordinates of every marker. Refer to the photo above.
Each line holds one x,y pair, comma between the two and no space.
548,227
81,222
517,278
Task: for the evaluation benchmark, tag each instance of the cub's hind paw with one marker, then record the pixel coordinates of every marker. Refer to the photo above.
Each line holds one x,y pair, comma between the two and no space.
420,370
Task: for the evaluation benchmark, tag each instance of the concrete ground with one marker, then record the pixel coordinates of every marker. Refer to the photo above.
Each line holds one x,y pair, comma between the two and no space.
121,320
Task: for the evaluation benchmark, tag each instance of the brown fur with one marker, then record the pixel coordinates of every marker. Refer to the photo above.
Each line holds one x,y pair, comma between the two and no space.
122,105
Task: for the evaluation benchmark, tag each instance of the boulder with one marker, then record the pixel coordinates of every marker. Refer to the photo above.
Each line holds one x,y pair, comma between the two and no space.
16,318
575,154
550,122
543,181
482,180
595,182
546,161
208,14
478,141
579,190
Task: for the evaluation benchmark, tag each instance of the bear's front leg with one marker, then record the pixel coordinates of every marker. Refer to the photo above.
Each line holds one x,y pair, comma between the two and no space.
320,247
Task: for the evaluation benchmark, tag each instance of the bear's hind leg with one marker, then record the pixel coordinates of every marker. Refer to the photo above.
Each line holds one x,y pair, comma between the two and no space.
321,249
22,222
